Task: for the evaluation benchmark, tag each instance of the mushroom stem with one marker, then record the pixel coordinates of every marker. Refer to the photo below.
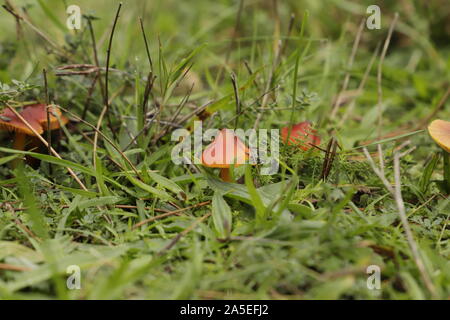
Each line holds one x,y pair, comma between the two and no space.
19,141
225,174
446,157
19,144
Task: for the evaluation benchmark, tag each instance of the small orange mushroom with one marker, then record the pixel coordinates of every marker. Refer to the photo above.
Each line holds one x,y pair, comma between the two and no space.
36,116
301,135
440,132
226,150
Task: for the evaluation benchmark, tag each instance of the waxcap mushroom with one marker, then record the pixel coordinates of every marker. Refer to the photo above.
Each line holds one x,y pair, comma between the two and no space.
439,130
10,122
36,116
302,135
226,150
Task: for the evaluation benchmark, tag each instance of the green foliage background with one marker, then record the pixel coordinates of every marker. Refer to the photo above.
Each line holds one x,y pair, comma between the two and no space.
287,236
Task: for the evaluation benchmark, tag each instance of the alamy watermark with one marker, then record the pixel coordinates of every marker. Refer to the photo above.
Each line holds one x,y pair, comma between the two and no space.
374,20
74,280
374,280
73,22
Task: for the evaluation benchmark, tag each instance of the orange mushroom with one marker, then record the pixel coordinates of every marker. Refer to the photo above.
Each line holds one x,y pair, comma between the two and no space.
36,116
226,150
301,135
439,131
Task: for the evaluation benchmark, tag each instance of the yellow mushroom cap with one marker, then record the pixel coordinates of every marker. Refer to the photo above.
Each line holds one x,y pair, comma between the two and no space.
439,130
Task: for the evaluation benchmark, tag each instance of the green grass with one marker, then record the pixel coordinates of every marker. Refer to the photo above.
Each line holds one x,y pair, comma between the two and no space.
291,235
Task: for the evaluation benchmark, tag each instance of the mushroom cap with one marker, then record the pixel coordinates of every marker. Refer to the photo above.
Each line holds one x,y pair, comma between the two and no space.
302,135
35,115
439,130
226,150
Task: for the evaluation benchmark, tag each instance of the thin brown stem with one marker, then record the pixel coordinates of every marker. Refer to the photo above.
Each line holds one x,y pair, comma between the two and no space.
147,50
108,57
49,131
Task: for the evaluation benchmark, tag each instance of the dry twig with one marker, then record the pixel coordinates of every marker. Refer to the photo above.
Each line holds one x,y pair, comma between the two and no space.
396,193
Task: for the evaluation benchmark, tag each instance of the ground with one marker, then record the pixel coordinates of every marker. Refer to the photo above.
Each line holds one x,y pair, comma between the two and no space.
109,215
